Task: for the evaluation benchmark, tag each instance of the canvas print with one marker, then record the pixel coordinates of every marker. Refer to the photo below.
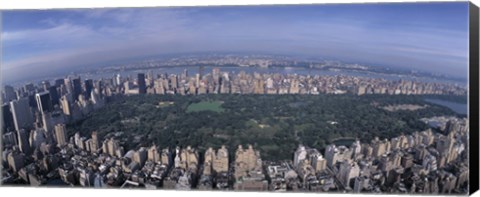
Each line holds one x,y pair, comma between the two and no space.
347,98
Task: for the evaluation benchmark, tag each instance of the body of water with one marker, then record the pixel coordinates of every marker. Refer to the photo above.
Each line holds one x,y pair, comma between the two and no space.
459,108
344,142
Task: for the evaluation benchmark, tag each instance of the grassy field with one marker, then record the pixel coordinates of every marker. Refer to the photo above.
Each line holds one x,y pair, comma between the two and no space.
164,104
206,106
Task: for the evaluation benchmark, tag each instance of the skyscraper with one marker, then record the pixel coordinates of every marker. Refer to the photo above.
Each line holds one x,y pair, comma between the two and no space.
77,88
60,134
88,88
220,162
140,156
16,161
59,82
32,102
54,97
10,139
173,82
46,85
142,88
37,137
9,94
29,88
7,119
299,155
65,105
95,142
153,154
99,87
118,79
43,102
200,71
185,73
22,116
23,142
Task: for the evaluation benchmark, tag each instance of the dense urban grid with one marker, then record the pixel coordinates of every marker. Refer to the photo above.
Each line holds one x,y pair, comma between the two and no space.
38,149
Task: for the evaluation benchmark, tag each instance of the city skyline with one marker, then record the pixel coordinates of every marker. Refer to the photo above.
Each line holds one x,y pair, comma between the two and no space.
419,159
54,40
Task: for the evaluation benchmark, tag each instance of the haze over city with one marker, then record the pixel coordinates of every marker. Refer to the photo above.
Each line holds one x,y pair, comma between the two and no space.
429,37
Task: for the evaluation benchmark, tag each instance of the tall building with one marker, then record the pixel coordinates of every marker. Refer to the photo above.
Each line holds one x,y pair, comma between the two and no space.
335,154
59,82
99,87
153,154
173,79
118,79
45,85
29,88
23,142
185,73
207,164
61,134
259,86
43,102
16,161
77,87
197,80
356,149
319,163
88,88
64,103
165,156
220,162
299,155
200,71
95,142
140,156
37,137
32,102
20,93
9,138
361,89
9,94
142,87
186,158
348,170
22,115
269,83
68,86
159,87
311,156
47,122
7,118
54,96
216,162
216,76
246,160
112,147
379,147
294,87
360,183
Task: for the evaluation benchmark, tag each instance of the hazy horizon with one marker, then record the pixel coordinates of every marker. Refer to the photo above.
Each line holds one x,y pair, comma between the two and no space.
423,36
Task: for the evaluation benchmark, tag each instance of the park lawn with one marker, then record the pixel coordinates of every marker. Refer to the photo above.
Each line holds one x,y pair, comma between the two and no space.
206,106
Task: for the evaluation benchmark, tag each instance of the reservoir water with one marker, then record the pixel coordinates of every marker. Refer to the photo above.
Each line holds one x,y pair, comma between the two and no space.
459,108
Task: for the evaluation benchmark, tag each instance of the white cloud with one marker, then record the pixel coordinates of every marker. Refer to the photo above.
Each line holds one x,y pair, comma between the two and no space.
109,34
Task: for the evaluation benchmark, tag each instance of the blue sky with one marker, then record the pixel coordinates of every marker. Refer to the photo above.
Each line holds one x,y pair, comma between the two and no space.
426,36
